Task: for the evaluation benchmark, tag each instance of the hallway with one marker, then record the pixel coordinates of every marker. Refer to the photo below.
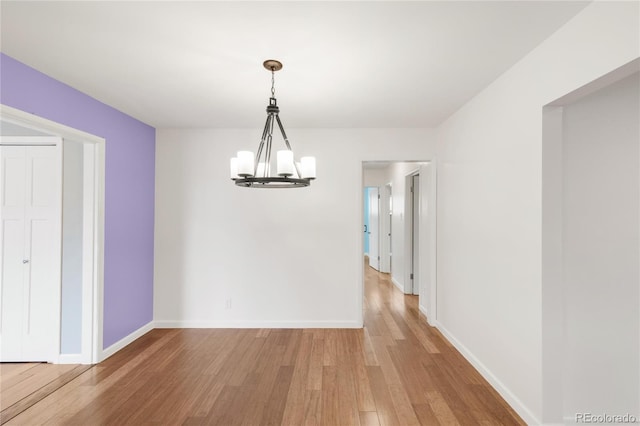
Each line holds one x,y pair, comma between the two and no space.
395,371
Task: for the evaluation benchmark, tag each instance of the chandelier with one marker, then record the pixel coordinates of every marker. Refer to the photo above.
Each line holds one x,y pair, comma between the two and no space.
257,171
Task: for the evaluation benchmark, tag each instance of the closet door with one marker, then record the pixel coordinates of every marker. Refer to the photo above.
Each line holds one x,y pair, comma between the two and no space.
30,244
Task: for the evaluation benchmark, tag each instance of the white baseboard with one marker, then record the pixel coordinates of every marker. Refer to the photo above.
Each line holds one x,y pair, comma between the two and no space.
255,324
508,396
397,284
71,359
106,353
423,310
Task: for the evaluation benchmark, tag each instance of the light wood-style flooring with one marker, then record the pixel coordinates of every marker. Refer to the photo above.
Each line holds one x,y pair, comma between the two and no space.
395,371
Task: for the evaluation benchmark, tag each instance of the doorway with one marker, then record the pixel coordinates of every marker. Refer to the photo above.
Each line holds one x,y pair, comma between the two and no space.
377,227
373,230
410,248
77,316
591,249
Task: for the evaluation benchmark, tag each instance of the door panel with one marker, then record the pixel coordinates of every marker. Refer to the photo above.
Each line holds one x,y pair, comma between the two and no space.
11,318
31,244
12,236
13,172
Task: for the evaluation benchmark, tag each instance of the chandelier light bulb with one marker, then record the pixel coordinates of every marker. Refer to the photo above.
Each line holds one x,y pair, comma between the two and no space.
285,163
245,163
308,167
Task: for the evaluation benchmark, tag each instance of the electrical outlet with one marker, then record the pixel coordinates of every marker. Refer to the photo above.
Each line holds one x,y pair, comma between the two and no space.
227,304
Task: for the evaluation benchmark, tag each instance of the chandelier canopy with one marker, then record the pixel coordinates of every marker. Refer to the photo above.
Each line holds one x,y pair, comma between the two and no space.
257,171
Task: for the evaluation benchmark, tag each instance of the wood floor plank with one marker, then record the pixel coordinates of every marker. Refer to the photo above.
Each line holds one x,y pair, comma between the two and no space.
278,398
369,418
410,371
348,411
330,348
384,404
425,414
294,407
364,394
314,378
396,371
313,408
262,379
441,409
391,324
330,401
402,404
369,352
380,346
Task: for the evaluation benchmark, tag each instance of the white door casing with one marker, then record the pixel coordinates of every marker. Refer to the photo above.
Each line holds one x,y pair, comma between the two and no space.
374,227
415,235
30,236
386,217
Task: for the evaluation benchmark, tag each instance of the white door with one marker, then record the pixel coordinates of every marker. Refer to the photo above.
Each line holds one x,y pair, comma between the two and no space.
374,227
415,235
30,242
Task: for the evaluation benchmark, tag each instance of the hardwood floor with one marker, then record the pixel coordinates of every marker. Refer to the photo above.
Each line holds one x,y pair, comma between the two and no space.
395,371
24,384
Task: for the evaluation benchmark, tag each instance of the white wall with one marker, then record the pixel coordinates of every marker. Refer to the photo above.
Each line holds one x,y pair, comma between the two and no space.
376,177
601,251
72,207
489,200
283,257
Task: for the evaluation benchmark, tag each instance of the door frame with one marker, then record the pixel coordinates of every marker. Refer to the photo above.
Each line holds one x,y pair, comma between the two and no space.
428,236
376,229
93,231
410,283
385,226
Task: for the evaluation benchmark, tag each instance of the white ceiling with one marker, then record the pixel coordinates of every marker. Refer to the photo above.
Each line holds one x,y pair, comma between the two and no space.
346,64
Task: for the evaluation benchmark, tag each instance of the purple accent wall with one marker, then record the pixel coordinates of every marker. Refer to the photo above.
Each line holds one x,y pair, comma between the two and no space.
130,187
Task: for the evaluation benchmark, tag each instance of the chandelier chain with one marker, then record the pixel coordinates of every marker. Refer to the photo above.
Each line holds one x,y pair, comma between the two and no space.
273,82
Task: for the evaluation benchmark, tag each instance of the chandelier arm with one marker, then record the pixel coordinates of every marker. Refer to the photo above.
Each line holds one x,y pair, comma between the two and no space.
261,146
284,135
286,141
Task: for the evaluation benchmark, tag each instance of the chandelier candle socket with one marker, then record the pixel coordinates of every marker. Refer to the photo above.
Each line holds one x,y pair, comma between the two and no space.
255,171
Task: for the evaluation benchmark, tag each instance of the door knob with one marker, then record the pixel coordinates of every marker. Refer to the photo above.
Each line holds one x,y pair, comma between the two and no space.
25,261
